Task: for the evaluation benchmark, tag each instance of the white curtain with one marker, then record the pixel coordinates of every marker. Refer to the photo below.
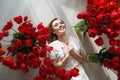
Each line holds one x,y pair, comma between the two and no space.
44,11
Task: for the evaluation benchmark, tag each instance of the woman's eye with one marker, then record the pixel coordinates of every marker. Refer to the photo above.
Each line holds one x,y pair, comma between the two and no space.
61,22
55,25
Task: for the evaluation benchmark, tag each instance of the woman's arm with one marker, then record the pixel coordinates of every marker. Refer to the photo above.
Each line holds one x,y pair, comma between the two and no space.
78,55
60,63
64,60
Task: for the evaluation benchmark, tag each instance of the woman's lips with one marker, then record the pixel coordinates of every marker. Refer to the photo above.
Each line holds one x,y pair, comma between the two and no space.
62,28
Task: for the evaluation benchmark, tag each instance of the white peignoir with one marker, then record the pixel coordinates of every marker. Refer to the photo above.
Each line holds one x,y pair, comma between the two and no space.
57,52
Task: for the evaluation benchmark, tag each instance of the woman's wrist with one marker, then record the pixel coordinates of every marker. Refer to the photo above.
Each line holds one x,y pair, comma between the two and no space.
66,57
64,60
78,56
67,54
73,53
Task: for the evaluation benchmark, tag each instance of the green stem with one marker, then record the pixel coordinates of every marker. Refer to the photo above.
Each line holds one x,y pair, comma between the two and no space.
93,58
14,30
119,2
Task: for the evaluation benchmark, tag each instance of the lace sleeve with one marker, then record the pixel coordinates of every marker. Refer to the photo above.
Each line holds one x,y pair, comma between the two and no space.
53,53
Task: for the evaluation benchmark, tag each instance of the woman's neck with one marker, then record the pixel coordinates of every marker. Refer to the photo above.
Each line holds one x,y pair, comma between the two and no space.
63,39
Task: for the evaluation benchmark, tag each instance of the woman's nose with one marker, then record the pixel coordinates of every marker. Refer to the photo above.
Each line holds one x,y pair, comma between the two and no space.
60,25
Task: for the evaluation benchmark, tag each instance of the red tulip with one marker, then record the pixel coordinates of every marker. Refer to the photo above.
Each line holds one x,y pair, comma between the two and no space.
2,51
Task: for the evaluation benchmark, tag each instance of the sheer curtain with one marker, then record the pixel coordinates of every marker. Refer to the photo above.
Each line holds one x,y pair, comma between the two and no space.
44,11
8,10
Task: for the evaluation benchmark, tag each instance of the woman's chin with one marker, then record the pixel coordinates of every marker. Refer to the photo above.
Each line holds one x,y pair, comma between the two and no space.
63,31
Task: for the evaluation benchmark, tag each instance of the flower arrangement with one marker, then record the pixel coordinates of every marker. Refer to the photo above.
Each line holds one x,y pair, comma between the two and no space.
28,49
106,58
103,17
49,72
27,44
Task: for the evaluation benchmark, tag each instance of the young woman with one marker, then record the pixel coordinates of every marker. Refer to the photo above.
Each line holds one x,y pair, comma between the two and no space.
65,53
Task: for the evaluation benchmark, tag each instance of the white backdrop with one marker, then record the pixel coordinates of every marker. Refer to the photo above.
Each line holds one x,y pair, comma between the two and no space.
44,11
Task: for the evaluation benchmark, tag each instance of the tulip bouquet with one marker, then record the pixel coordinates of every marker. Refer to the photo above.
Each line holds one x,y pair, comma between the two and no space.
102,17
26,48
49,72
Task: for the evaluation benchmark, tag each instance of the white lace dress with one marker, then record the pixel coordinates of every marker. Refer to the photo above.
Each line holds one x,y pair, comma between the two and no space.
57,52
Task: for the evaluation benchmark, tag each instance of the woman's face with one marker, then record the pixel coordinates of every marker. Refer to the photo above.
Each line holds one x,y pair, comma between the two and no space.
58,27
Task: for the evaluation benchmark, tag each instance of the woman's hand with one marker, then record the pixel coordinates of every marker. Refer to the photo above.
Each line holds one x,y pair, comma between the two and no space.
64,60
65,51
75,54
71,48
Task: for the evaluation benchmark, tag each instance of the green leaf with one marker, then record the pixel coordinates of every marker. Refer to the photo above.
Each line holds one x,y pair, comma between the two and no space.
18,35
93,57
118,2
7,53
81,26
53,76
